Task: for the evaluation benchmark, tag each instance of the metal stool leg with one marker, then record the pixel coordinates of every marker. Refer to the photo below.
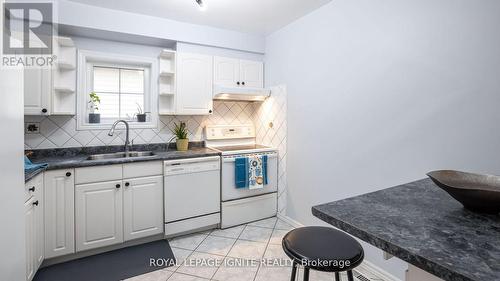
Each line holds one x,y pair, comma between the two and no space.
337,276
349,275
306,273
294,271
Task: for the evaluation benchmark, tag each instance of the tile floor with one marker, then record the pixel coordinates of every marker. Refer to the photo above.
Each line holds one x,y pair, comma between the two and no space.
223,248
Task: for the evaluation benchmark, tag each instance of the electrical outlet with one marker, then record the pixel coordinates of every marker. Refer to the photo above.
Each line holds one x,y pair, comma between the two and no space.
32,128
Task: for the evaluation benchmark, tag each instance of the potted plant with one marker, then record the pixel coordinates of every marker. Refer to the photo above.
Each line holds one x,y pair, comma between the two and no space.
93,107
180,132
140,115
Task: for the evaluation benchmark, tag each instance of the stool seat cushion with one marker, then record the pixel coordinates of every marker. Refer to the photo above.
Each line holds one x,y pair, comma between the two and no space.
323,248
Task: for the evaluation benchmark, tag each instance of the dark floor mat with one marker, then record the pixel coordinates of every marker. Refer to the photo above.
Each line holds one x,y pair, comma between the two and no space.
115,265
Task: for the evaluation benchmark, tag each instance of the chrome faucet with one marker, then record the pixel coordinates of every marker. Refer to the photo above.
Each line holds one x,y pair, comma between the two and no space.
112,131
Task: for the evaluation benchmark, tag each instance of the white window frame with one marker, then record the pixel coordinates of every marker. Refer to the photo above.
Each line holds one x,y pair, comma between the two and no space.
88,59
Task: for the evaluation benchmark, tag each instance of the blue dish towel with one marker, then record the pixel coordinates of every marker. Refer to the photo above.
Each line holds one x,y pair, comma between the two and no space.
242,172
29,166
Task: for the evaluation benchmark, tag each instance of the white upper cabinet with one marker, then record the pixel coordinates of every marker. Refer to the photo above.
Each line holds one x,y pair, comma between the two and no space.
230,72
226,71
51,91
194,84
37,91
252,74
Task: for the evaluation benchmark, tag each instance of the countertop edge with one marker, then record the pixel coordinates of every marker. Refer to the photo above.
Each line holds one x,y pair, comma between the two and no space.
86,163
401,253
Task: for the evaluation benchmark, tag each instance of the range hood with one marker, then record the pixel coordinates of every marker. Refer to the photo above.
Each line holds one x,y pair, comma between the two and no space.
240,94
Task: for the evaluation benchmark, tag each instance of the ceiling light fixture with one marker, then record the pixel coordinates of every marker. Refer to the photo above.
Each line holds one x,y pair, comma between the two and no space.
202,5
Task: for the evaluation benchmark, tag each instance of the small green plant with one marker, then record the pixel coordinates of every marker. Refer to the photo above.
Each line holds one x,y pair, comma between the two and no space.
180,131
139,109
94,102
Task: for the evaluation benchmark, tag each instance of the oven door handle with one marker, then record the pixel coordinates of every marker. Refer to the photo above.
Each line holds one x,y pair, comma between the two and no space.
229,159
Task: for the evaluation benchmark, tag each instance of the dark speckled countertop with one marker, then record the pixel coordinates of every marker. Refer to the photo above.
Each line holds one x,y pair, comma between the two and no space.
77,157
422,225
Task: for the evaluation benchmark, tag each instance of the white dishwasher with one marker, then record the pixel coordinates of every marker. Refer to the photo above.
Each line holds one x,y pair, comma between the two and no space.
192,194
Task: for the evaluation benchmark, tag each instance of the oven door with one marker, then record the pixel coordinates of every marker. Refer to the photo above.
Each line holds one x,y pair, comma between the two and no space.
229,190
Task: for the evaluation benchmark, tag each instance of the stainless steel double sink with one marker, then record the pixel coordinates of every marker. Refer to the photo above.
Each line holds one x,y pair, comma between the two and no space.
121,155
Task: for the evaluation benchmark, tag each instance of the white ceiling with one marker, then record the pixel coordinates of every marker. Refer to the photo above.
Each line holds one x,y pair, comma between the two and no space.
252,16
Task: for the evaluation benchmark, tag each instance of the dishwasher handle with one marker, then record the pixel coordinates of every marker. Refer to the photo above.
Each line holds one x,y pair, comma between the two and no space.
191,166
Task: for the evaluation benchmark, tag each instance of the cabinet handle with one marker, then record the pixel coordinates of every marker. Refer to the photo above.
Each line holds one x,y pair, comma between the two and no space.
35,203
117,185
44,110
32,189
210,111
68,174
243,83
237,83
127,184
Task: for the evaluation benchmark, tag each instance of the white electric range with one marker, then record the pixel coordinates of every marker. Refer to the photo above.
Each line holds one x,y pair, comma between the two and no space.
243,205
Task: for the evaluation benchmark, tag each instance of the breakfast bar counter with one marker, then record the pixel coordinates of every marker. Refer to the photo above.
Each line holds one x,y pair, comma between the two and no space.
424,226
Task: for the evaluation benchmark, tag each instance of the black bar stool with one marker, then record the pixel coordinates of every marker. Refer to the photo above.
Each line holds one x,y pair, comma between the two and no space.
323,249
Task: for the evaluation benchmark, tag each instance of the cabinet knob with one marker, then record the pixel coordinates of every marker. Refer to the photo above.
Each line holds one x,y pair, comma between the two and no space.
237,83
243,83
210,111
32,189
127,184
44,110
68,174
35,203
117,185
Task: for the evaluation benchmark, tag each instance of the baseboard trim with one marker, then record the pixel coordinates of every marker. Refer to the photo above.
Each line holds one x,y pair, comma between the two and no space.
366,267
376,271
289,220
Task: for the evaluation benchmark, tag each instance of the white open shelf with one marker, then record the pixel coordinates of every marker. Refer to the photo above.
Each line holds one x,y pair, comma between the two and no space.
65,42
64,78
64,90
65,65
166,81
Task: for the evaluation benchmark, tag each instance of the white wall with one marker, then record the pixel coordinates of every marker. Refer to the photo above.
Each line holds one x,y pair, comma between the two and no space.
381,92
86,16
12,243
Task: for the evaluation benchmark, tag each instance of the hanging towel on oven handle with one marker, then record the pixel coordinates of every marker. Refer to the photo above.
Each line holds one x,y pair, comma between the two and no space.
251,172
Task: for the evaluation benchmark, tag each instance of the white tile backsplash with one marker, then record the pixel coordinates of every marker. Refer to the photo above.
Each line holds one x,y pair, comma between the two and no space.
60,131
274,110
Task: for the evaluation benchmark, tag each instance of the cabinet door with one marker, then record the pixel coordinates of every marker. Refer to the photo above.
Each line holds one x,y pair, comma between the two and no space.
37,90
226,71
98,214
142,207
29,218
39,244
194,84
252,73
59,204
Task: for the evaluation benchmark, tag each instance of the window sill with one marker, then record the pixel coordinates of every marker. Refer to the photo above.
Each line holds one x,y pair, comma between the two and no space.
107,126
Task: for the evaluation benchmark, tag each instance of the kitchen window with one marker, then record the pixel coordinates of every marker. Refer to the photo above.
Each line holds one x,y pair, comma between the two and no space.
124,86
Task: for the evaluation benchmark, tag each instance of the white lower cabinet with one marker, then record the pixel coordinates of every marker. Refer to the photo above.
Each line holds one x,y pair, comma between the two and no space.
59,213
29,218
142,207
34,235
98,215
117,203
